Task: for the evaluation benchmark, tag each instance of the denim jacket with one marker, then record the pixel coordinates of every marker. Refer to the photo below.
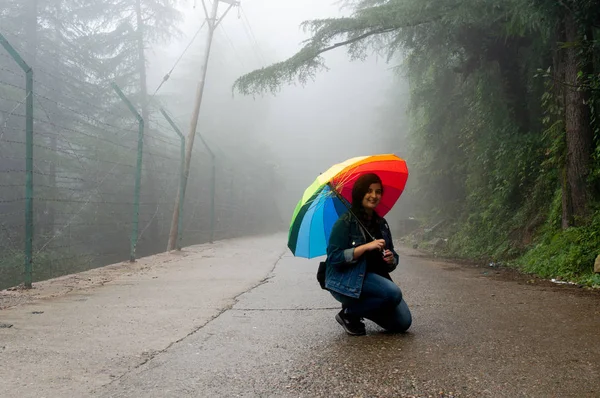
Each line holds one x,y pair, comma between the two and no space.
344,274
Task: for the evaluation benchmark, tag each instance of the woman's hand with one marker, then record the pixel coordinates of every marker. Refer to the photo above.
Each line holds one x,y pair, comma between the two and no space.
378,244
388,257
375,245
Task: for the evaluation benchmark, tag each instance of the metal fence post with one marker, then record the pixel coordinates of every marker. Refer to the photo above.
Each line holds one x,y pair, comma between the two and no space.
138,174
28,277
213,178
182,184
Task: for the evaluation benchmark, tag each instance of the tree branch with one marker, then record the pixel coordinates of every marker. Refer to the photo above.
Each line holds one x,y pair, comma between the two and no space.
301,66
355,39
377,20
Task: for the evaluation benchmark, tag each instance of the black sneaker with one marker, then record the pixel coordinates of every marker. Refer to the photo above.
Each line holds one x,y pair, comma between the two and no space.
351,324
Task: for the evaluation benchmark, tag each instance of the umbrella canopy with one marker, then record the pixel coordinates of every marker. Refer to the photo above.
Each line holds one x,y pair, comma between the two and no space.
323,201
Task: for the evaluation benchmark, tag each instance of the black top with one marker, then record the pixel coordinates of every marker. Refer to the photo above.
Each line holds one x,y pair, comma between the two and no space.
375,262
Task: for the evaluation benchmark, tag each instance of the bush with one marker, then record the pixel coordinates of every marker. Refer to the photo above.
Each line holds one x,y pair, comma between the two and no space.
566,253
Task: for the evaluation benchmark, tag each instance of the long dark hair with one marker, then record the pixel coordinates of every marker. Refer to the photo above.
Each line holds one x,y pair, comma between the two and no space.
359,190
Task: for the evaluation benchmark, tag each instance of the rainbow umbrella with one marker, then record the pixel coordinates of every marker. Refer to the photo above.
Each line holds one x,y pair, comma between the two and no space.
329,196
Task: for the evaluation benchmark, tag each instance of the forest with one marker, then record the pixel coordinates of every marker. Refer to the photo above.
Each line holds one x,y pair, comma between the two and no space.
85,141
493,105
504,142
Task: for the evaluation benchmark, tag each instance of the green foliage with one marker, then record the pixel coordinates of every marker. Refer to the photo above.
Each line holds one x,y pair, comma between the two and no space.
568,253
374,24
110,30
488,146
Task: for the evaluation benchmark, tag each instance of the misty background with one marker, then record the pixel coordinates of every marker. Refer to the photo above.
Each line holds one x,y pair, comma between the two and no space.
303,130
267,148
503,147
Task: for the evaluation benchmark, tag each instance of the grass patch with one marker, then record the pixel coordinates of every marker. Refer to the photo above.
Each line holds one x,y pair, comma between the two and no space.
555,253
568,254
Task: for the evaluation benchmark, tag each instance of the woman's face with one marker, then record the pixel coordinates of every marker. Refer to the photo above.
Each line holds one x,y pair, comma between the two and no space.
373,197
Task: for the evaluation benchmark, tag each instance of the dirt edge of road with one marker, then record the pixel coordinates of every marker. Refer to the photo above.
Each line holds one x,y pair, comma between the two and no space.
91,279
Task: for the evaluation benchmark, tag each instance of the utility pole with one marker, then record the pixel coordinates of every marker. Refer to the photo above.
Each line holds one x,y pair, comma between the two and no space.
212,22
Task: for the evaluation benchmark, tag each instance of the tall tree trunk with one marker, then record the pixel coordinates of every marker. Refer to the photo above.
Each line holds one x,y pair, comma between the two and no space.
558,77
148,157
515,86
579,134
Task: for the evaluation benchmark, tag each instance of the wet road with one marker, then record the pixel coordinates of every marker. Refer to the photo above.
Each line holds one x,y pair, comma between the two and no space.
473,335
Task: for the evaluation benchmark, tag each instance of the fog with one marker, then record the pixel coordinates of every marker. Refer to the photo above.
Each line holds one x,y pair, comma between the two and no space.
102,193
91,163
307,128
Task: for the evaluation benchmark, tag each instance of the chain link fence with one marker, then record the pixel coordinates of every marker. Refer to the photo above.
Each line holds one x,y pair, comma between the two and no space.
84,151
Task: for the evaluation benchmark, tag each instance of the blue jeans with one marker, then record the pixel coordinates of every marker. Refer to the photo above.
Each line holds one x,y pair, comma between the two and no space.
381,302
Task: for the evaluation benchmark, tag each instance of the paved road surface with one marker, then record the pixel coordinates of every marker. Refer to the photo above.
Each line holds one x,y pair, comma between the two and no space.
475,334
